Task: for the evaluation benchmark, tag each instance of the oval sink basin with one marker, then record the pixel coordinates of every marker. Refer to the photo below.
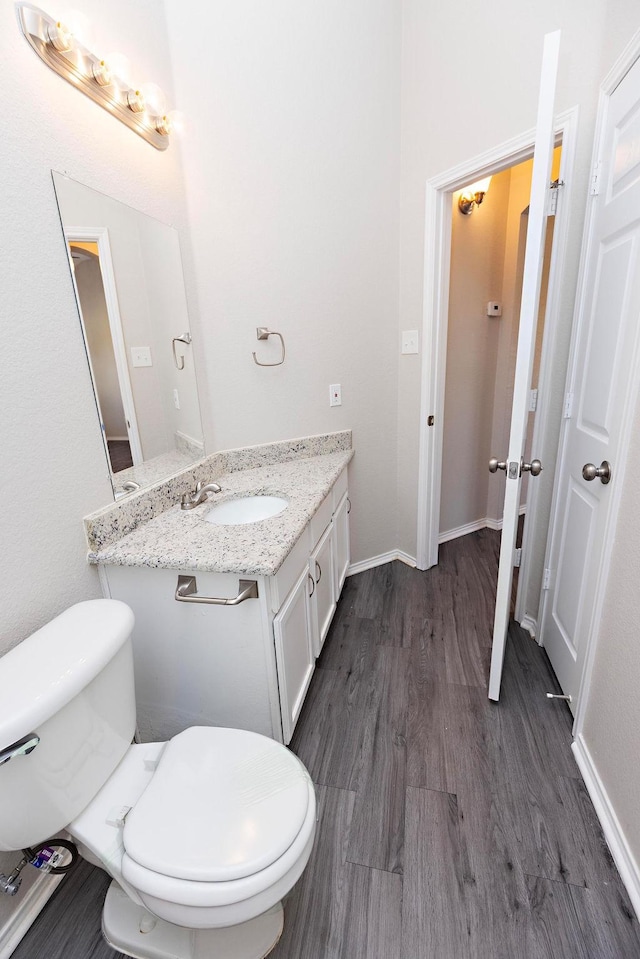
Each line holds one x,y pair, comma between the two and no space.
246,509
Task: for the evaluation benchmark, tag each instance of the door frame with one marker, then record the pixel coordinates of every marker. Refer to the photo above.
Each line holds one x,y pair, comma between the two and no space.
100,236
437,260
621,67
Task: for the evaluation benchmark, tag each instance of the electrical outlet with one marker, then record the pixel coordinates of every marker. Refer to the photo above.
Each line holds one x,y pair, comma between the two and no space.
335,395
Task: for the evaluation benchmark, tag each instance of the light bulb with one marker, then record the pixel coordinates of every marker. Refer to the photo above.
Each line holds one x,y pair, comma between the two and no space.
154,98
79,25
179,123
60,36
120,68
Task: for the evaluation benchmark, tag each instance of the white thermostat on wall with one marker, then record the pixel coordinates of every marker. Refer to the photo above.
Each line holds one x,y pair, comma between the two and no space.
494,308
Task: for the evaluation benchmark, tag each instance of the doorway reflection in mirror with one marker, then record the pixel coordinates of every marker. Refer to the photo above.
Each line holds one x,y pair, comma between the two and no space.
128,280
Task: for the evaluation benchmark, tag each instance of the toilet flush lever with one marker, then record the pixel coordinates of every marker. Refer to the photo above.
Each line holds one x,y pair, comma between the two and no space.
22,747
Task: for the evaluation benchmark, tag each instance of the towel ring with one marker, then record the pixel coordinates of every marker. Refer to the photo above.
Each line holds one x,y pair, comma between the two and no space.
179,360
264,334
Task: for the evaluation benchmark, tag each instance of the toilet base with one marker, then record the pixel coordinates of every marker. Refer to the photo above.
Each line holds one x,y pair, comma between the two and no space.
122,918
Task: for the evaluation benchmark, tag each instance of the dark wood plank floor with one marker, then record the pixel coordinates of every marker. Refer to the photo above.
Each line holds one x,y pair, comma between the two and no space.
450,827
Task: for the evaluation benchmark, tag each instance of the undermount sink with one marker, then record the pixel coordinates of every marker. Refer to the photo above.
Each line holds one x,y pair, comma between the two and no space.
246,509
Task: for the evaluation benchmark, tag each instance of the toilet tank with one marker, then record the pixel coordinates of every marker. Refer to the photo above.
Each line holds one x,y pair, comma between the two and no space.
70,683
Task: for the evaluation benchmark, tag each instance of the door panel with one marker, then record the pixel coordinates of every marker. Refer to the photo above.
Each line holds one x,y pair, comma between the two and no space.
601,379
529,307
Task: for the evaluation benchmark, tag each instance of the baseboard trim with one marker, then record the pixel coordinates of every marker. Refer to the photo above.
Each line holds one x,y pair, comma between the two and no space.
379,560
616,839
27,911
450,534
530,623
487,522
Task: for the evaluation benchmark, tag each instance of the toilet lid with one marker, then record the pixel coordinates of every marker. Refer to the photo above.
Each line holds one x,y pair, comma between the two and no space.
222,804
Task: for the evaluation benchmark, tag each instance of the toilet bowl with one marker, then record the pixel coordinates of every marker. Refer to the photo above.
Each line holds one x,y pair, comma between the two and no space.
203,835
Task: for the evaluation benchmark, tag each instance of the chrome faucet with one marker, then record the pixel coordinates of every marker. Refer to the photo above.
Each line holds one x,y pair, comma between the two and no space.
191,500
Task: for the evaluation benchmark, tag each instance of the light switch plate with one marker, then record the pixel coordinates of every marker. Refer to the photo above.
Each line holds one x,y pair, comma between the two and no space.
409,341
141,356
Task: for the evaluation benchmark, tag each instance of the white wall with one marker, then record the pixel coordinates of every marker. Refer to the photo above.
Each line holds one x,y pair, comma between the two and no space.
292,172
53,469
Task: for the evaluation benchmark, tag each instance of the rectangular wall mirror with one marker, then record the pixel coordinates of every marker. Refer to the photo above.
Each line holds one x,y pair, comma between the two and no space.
129,286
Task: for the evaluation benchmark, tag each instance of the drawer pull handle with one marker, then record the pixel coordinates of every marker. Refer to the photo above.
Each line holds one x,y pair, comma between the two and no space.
348,505
187,592
313,585
318,572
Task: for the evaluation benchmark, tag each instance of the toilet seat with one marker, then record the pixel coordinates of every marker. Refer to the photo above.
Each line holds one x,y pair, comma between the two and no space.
114,826
222,805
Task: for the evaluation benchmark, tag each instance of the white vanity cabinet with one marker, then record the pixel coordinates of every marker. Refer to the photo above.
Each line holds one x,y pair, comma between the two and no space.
249,665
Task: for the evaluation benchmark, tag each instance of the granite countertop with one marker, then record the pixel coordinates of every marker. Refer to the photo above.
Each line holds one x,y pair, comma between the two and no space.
182,539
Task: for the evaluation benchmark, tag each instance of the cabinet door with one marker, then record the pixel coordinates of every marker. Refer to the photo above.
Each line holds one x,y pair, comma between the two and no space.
323,600
294,652
342,553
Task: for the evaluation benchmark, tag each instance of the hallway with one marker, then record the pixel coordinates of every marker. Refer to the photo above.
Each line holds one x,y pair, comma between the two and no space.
450,827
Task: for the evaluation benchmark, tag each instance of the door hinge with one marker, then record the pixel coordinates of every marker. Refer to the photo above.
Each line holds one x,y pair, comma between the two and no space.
594,189
533,401
546,578
552,206
568,406
517,556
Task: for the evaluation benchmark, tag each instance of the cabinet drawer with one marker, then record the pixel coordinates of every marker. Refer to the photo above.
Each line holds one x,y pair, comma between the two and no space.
320,520
340,488
284,580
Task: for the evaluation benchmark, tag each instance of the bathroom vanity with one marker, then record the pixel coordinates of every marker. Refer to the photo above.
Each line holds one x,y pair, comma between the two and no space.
247,665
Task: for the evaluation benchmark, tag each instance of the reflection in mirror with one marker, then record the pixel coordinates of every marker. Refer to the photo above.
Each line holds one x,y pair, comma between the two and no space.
127,275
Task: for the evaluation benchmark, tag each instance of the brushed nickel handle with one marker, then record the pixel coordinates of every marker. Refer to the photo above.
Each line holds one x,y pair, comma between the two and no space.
318,572
495,465
590,471
349,506
534,467
179,360
313,585
22,747
187,588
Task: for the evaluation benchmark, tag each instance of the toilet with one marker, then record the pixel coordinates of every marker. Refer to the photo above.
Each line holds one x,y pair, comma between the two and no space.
203,835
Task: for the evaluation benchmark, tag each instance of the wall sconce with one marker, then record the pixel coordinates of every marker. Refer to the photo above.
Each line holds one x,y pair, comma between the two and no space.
55,44
473,196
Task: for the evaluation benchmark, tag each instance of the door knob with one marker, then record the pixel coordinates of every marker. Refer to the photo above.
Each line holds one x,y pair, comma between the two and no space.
589,472
534,467
494,465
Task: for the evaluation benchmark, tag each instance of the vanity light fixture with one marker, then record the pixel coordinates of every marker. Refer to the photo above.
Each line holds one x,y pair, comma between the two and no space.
473,196
55,43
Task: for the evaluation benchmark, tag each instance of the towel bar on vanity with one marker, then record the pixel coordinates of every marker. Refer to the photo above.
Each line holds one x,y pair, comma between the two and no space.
187,588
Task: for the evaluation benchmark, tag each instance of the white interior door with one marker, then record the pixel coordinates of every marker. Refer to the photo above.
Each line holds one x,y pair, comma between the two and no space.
601,382
531,281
